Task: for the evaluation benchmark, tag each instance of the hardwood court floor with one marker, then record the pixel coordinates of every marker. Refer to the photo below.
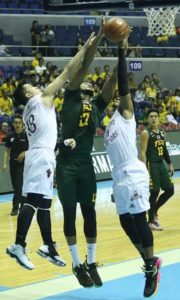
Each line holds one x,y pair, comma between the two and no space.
113,245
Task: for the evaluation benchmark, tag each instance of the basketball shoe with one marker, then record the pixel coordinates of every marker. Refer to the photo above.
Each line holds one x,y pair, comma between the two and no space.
152,276
156,221
82,276
155,226
19,253
52,255
91,269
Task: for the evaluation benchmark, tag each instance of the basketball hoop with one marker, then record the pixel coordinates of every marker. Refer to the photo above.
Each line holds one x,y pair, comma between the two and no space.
161,20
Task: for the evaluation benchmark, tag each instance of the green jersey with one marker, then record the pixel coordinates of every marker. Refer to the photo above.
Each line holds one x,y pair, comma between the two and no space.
156,146
79,121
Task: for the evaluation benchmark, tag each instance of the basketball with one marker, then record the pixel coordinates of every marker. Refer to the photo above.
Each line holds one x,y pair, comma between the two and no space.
116,29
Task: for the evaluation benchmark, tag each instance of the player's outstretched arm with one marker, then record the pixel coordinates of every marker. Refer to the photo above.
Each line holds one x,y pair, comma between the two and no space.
87,55
126,106
109,86
52,88
69,72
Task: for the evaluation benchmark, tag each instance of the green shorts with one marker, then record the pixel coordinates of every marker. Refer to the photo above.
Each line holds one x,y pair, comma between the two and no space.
76,181
159,177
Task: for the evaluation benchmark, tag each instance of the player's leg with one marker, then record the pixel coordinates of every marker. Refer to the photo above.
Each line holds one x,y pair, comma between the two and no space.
48,250
24,220
67,191
164,197
70,234
154,172
127,223
90,232
167,186
87,198
132,195
138,196
20,185
152,263
66,187
137,229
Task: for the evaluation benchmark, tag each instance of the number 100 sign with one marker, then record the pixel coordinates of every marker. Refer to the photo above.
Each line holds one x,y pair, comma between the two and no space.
135,65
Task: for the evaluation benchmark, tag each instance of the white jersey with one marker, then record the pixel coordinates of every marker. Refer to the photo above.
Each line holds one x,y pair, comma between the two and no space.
41,128
120,140
130,176
40,124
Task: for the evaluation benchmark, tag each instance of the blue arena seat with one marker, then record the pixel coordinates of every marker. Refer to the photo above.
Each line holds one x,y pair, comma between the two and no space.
24,5
146,52
12,5
34,5
170,52
144,31
4,11
73,29
14,51
3,5
158,52
27,51
37,11
30,1
2,68
8,39
66,51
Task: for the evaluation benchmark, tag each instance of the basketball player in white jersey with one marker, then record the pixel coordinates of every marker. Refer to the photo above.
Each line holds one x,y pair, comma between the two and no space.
130,177
40,123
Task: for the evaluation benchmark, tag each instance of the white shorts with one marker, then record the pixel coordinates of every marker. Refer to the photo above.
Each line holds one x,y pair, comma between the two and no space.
131,188
39,172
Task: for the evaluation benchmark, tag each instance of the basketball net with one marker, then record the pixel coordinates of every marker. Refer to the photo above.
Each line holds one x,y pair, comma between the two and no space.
161,21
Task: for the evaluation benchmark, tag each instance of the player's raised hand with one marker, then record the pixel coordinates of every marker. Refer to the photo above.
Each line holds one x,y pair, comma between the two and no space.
124,43
101,29
90,40
93,37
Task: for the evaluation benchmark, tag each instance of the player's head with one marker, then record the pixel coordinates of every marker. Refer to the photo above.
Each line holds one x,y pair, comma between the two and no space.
24,92
153,117
86,89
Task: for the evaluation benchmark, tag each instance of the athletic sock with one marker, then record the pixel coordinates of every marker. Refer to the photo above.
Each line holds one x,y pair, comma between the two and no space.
74,254
91,253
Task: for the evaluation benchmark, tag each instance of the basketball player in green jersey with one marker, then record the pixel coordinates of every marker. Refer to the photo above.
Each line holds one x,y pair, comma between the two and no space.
153,152
75,174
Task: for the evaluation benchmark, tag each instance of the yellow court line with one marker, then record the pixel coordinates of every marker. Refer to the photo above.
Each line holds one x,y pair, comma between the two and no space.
68,283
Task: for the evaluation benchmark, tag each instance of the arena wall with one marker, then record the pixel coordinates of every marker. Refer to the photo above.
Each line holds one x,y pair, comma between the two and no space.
102,165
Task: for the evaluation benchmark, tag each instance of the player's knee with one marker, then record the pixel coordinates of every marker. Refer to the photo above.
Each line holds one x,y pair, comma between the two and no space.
37,201
27,206
170,191
89,215
124,220
144,231
69,221
154,194
127,223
